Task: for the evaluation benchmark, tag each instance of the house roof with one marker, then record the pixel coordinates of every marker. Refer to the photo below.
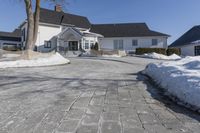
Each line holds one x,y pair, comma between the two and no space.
12,36
186,39
61,18
125,30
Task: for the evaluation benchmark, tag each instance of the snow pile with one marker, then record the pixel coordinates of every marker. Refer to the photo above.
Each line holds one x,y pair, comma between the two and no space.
10,55
180,79
55,59
161,56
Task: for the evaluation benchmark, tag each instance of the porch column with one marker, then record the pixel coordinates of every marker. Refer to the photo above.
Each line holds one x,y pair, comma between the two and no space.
82,43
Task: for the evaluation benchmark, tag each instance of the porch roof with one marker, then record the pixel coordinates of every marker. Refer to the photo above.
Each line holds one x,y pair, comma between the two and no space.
78,33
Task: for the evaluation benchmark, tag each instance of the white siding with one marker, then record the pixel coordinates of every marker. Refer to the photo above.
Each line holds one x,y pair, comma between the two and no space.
47,33
143,42
188,50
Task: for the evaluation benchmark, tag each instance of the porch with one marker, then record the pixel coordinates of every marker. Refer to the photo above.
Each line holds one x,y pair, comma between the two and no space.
72,41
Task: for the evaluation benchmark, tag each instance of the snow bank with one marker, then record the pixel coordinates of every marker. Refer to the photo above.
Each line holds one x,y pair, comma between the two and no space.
162,57
180,79
55,59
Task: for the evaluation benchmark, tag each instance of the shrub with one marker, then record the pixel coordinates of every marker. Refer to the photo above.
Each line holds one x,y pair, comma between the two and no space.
141,51
171,51
95,46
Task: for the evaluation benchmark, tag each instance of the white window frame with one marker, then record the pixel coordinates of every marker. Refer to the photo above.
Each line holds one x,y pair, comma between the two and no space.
118,44
87,44
47,44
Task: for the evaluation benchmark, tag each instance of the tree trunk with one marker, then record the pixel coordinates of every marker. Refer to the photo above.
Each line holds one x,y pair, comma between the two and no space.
30,29
36,21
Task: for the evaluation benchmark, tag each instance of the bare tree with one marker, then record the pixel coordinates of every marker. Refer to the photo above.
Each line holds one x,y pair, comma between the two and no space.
33,17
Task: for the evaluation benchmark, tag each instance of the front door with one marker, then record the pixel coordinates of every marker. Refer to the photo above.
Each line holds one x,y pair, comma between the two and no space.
73,45
197,50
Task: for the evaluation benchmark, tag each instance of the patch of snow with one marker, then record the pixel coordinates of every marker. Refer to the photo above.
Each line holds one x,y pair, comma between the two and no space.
90,54
55,59
87,54
114,55
10,55
180,79
161,56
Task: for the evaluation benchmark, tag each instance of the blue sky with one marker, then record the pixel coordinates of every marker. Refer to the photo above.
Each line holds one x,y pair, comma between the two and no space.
173,17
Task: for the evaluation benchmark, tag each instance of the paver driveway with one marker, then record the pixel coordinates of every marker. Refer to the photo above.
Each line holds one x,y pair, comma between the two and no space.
88,96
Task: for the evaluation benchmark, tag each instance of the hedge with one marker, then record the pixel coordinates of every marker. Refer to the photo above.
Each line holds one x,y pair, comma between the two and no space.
169,51
141,51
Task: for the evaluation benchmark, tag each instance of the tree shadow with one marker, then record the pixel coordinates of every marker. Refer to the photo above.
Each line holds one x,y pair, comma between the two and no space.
159,94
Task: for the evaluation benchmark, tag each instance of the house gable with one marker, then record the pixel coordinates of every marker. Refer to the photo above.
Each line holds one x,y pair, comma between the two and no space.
187,38
61,18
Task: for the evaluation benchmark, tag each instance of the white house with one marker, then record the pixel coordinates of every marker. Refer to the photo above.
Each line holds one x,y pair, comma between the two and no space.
189,43
67,32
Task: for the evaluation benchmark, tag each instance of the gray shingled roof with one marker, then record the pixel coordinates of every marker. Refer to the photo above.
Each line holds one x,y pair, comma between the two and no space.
187,38
12,36
58,18
124,30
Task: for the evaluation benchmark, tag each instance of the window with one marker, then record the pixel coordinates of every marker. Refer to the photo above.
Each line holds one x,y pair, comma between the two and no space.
86,44
134,42
118,44
47,44
24,34
197,50
154,42
73,45
91,43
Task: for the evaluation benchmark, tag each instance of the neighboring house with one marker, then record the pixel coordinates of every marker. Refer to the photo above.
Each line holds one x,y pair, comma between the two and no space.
189,43
10,40
67,32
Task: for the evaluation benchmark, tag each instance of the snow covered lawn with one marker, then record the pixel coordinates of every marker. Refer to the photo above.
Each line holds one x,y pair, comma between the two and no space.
55,59
160,56
180,79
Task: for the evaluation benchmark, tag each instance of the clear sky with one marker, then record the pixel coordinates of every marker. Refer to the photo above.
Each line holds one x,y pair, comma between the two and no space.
173,17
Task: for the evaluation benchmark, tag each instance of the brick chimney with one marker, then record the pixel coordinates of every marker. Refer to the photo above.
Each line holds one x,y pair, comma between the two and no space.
58,8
